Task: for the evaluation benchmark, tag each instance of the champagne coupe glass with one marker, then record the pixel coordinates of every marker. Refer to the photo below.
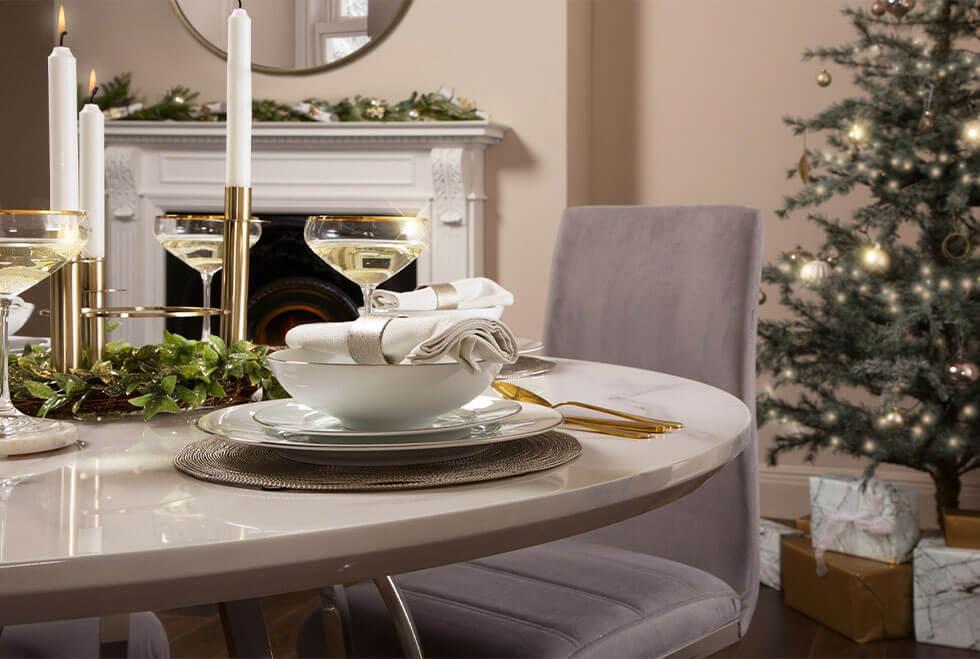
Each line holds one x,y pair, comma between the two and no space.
368,250
198,241
33,244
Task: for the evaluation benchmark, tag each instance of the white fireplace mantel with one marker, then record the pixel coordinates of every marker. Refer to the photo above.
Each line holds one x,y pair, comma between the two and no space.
433,168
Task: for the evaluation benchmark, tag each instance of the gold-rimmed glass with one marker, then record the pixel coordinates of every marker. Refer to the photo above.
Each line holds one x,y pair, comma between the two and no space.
367,249
198,241
33,244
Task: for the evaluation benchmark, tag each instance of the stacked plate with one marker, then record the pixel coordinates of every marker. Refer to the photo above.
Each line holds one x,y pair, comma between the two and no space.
300,432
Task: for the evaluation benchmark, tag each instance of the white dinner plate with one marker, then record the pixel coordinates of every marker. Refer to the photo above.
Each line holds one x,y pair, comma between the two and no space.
291,416
236,424
526,346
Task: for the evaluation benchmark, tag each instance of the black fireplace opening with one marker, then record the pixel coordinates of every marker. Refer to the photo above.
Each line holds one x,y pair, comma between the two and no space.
288,286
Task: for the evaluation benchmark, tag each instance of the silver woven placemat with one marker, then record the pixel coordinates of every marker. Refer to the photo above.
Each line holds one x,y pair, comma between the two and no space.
524,367
230,463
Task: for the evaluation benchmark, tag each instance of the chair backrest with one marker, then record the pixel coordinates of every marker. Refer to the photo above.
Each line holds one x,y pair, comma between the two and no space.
672,289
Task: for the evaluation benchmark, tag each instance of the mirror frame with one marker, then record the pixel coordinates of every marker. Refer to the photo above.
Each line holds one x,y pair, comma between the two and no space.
274,70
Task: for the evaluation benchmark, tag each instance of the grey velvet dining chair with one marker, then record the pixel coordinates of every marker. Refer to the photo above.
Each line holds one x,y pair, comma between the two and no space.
670,289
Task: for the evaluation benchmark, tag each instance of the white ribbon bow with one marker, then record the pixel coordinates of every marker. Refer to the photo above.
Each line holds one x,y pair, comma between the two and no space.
870,520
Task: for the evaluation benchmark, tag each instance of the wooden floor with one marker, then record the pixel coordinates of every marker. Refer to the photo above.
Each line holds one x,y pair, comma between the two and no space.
776,632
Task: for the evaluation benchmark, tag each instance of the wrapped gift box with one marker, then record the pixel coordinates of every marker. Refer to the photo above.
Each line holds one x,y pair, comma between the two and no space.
962,528
947,594
862,599
770,535
879,521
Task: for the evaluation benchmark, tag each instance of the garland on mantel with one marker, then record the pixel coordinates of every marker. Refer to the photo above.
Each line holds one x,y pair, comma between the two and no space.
117,100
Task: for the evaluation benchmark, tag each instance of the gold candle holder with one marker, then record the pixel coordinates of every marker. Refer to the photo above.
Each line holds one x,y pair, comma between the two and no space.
234,269
92,272
66,317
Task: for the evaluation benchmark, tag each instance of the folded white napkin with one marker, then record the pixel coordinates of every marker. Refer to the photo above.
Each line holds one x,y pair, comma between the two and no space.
474,293
389,339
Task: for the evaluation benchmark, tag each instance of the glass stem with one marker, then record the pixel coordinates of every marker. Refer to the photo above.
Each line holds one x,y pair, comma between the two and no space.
368,291
206,282
6,405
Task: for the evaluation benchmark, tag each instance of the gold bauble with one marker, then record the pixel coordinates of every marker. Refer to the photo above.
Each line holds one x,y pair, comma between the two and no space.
962,374
762,297
878,8
875,259
893,419
927,121
814,272
898,8
824,78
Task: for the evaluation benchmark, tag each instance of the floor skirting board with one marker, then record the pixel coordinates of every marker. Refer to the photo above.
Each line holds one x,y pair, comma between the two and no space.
785,489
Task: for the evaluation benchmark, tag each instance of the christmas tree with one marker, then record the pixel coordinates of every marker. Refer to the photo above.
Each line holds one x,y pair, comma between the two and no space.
878,358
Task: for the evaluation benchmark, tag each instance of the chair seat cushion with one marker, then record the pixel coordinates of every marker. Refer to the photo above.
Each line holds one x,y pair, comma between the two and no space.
563,599
79,639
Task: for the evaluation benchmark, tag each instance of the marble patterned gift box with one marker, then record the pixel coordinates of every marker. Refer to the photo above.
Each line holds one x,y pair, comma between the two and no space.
879,521
770,563
946,600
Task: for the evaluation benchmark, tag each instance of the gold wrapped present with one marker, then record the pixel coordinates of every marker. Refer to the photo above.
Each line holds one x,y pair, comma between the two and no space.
803,525
862,599
962,528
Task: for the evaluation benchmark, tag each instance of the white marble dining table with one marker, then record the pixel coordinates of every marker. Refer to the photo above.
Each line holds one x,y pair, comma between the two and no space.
113,527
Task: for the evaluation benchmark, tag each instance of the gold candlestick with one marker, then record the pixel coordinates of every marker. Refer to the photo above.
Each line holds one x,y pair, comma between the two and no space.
93,288
234,269
66,317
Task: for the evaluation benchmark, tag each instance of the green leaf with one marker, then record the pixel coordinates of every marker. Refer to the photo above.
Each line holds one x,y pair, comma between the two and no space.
141,401
168,383
70,384
39,389
219,345
51,404
216,390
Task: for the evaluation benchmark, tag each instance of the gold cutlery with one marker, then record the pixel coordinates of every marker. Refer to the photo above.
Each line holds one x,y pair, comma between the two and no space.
614,431
512,391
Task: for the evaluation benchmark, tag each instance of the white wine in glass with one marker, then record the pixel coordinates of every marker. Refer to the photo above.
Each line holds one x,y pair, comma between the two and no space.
368,250
198,241
33,244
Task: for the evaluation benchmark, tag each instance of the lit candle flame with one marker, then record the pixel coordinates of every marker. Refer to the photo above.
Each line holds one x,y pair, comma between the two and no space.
62,24
92,84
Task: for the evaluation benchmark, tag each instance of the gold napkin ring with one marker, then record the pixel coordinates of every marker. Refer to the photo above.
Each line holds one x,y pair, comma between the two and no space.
364,339
447,297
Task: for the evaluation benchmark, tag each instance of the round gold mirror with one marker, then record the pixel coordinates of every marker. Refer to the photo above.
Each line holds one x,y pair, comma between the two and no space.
296,36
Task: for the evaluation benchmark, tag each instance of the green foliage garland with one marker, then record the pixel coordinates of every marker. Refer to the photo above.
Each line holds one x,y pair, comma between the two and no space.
181,104
178,374
862,365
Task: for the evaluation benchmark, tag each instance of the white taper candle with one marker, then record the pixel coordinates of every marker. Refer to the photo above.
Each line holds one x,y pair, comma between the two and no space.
238,154
92,167
63,127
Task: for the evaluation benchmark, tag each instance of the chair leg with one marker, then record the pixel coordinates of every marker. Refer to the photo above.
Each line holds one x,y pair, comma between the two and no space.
114,636
333,612
404,625
244,628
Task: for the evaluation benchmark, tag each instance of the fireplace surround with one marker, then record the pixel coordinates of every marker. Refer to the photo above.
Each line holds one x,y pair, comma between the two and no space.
432,168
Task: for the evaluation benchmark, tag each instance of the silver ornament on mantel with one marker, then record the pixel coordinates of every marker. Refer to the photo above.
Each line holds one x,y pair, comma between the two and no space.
962,373
815,271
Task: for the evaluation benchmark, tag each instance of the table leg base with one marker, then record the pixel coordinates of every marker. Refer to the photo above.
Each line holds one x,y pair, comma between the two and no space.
408,635
244,628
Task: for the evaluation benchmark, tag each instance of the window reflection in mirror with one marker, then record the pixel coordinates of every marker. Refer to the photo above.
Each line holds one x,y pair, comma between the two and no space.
291,35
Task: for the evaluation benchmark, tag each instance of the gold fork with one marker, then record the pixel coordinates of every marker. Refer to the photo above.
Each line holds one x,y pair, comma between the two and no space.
512,391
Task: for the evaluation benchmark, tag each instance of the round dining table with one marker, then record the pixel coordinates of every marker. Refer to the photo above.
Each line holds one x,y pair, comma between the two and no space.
111,526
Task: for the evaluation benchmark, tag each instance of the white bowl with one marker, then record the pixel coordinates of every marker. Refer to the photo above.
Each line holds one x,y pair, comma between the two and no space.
385,397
